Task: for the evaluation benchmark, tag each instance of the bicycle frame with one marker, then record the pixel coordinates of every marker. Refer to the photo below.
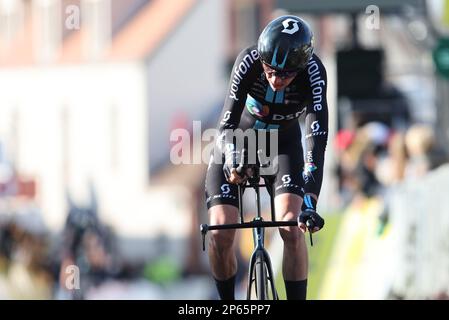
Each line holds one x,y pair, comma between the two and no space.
259,239
258,225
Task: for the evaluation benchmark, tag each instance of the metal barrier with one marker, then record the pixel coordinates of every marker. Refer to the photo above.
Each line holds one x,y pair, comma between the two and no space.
419,218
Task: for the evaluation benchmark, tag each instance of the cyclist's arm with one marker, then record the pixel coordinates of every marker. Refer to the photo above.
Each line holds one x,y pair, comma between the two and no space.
316,128
241,75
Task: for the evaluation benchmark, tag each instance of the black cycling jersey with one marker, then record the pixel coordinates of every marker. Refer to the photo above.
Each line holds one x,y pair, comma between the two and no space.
251,103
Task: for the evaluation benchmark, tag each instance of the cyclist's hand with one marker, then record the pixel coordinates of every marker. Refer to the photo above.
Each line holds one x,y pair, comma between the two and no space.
315,221
309,218
233,177
232,160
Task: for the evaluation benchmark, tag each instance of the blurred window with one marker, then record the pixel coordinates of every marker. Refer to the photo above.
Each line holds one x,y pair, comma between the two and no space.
46,29
11,20
97,20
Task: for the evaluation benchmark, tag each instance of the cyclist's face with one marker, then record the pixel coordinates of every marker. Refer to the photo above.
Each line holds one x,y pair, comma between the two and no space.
278,80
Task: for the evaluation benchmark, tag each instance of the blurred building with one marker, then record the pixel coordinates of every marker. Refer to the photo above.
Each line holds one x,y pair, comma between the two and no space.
90,92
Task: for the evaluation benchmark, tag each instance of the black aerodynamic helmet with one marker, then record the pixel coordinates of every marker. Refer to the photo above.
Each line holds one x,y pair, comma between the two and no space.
286,43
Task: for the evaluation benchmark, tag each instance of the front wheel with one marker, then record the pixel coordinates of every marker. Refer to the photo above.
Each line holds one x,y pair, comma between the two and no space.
260,275
261,282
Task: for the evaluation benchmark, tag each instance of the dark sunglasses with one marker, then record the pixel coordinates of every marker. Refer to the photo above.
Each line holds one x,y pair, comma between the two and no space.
281,74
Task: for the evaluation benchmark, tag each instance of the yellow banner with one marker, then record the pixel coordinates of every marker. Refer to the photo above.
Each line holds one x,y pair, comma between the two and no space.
445,19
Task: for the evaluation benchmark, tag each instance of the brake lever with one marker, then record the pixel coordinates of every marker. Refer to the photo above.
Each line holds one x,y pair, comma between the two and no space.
310,225
243,163
262,163
204,228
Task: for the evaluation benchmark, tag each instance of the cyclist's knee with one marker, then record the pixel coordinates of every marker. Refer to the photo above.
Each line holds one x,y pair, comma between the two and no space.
289,216
222,239
291,235
222,214
287,206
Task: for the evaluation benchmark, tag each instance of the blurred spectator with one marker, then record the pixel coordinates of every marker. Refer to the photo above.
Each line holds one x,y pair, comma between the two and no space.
87,244
360,152
27,272
8,180
344,139
422,151
398,154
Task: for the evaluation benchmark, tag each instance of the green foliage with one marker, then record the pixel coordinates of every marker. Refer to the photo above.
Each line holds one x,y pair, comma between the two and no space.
319,256
162,271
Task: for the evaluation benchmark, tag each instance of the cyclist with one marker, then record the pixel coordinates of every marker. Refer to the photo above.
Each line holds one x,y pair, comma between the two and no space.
271,86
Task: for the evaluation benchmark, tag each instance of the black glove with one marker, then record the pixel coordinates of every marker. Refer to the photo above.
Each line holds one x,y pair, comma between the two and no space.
308,212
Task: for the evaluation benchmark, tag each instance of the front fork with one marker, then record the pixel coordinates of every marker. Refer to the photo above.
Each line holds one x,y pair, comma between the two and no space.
259,238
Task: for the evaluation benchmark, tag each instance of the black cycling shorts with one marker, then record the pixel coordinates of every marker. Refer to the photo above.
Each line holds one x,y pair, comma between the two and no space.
288,178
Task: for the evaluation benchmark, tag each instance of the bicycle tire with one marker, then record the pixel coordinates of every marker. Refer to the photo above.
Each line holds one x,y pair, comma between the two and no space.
261,277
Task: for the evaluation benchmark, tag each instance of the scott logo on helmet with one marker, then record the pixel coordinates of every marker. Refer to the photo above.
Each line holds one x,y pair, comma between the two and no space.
286,43
290,26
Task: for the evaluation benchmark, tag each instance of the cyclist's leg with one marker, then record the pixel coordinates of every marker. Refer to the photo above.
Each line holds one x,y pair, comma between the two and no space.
221,252
295,251
288,201
222,203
